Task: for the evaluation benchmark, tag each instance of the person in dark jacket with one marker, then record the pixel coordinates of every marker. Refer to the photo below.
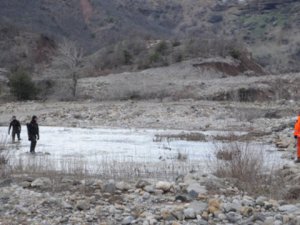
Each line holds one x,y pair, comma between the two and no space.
33,133
16,128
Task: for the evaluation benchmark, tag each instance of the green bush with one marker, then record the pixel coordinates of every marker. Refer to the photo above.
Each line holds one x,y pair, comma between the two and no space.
21,85
235,53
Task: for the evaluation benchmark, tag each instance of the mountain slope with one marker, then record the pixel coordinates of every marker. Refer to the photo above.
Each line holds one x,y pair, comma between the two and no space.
270,29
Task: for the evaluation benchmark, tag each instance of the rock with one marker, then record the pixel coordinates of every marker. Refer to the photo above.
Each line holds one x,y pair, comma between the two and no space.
233,217
66,205
5,182
248,203
21,210
163,185
109,188
42,182
247,211
195,189
175,223
127,220
28,179
277,222
189,213
198,207
214,205
122,186
166,214
296,220
82,205
178,214
269,221
261,200
142,184
201,222
205,215
259,217
25,184
232,207
146,196
149,188
96,183
222,216
288,208
67,180
181,198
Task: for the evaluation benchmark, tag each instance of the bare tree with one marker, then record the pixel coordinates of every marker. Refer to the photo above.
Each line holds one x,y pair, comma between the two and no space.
68,59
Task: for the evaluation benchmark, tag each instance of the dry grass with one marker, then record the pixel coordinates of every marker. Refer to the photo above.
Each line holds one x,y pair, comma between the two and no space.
4,158
182,136
248,169
105,168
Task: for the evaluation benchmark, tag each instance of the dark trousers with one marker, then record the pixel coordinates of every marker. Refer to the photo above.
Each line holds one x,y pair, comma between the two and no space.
14,133
32,145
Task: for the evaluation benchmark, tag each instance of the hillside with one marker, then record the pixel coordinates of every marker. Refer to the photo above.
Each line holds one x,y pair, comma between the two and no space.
269,29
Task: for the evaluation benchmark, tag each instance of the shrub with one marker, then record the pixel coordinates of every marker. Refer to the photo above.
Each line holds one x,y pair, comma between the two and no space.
235,53
21,85
247,167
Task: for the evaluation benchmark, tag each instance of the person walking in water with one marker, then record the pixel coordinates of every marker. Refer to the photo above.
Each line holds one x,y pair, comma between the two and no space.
33,133
16,128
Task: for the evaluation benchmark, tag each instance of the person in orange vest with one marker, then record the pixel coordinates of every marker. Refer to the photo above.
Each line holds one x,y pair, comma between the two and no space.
297,136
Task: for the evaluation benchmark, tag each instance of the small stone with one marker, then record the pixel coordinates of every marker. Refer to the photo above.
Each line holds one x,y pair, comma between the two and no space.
195,189
247,211
122,186
277,222
142,184
98,210
109,188
67,180
288,208
25,184
232,207
163,185
189,213
178,214
233,217
201,222
261,200
149,189
146,196
175,223
198,207
222,216
269,221
82,205
205,215
167,215
42,182
181,198
127,220
213,206
66,205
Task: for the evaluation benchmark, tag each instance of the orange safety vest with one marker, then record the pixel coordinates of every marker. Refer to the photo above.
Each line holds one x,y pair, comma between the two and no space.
297,128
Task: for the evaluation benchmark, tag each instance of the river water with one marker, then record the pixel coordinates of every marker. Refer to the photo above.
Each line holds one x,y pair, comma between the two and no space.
119,151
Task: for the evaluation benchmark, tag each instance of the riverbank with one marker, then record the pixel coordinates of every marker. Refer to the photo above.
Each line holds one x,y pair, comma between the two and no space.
196,198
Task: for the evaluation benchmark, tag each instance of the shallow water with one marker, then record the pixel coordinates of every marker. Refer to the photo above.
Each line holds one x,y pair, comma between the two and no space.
96,148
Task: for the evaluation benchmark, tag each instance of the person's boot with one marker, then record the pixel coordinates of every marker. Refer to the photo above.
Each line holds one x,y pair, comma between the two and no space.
297,160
